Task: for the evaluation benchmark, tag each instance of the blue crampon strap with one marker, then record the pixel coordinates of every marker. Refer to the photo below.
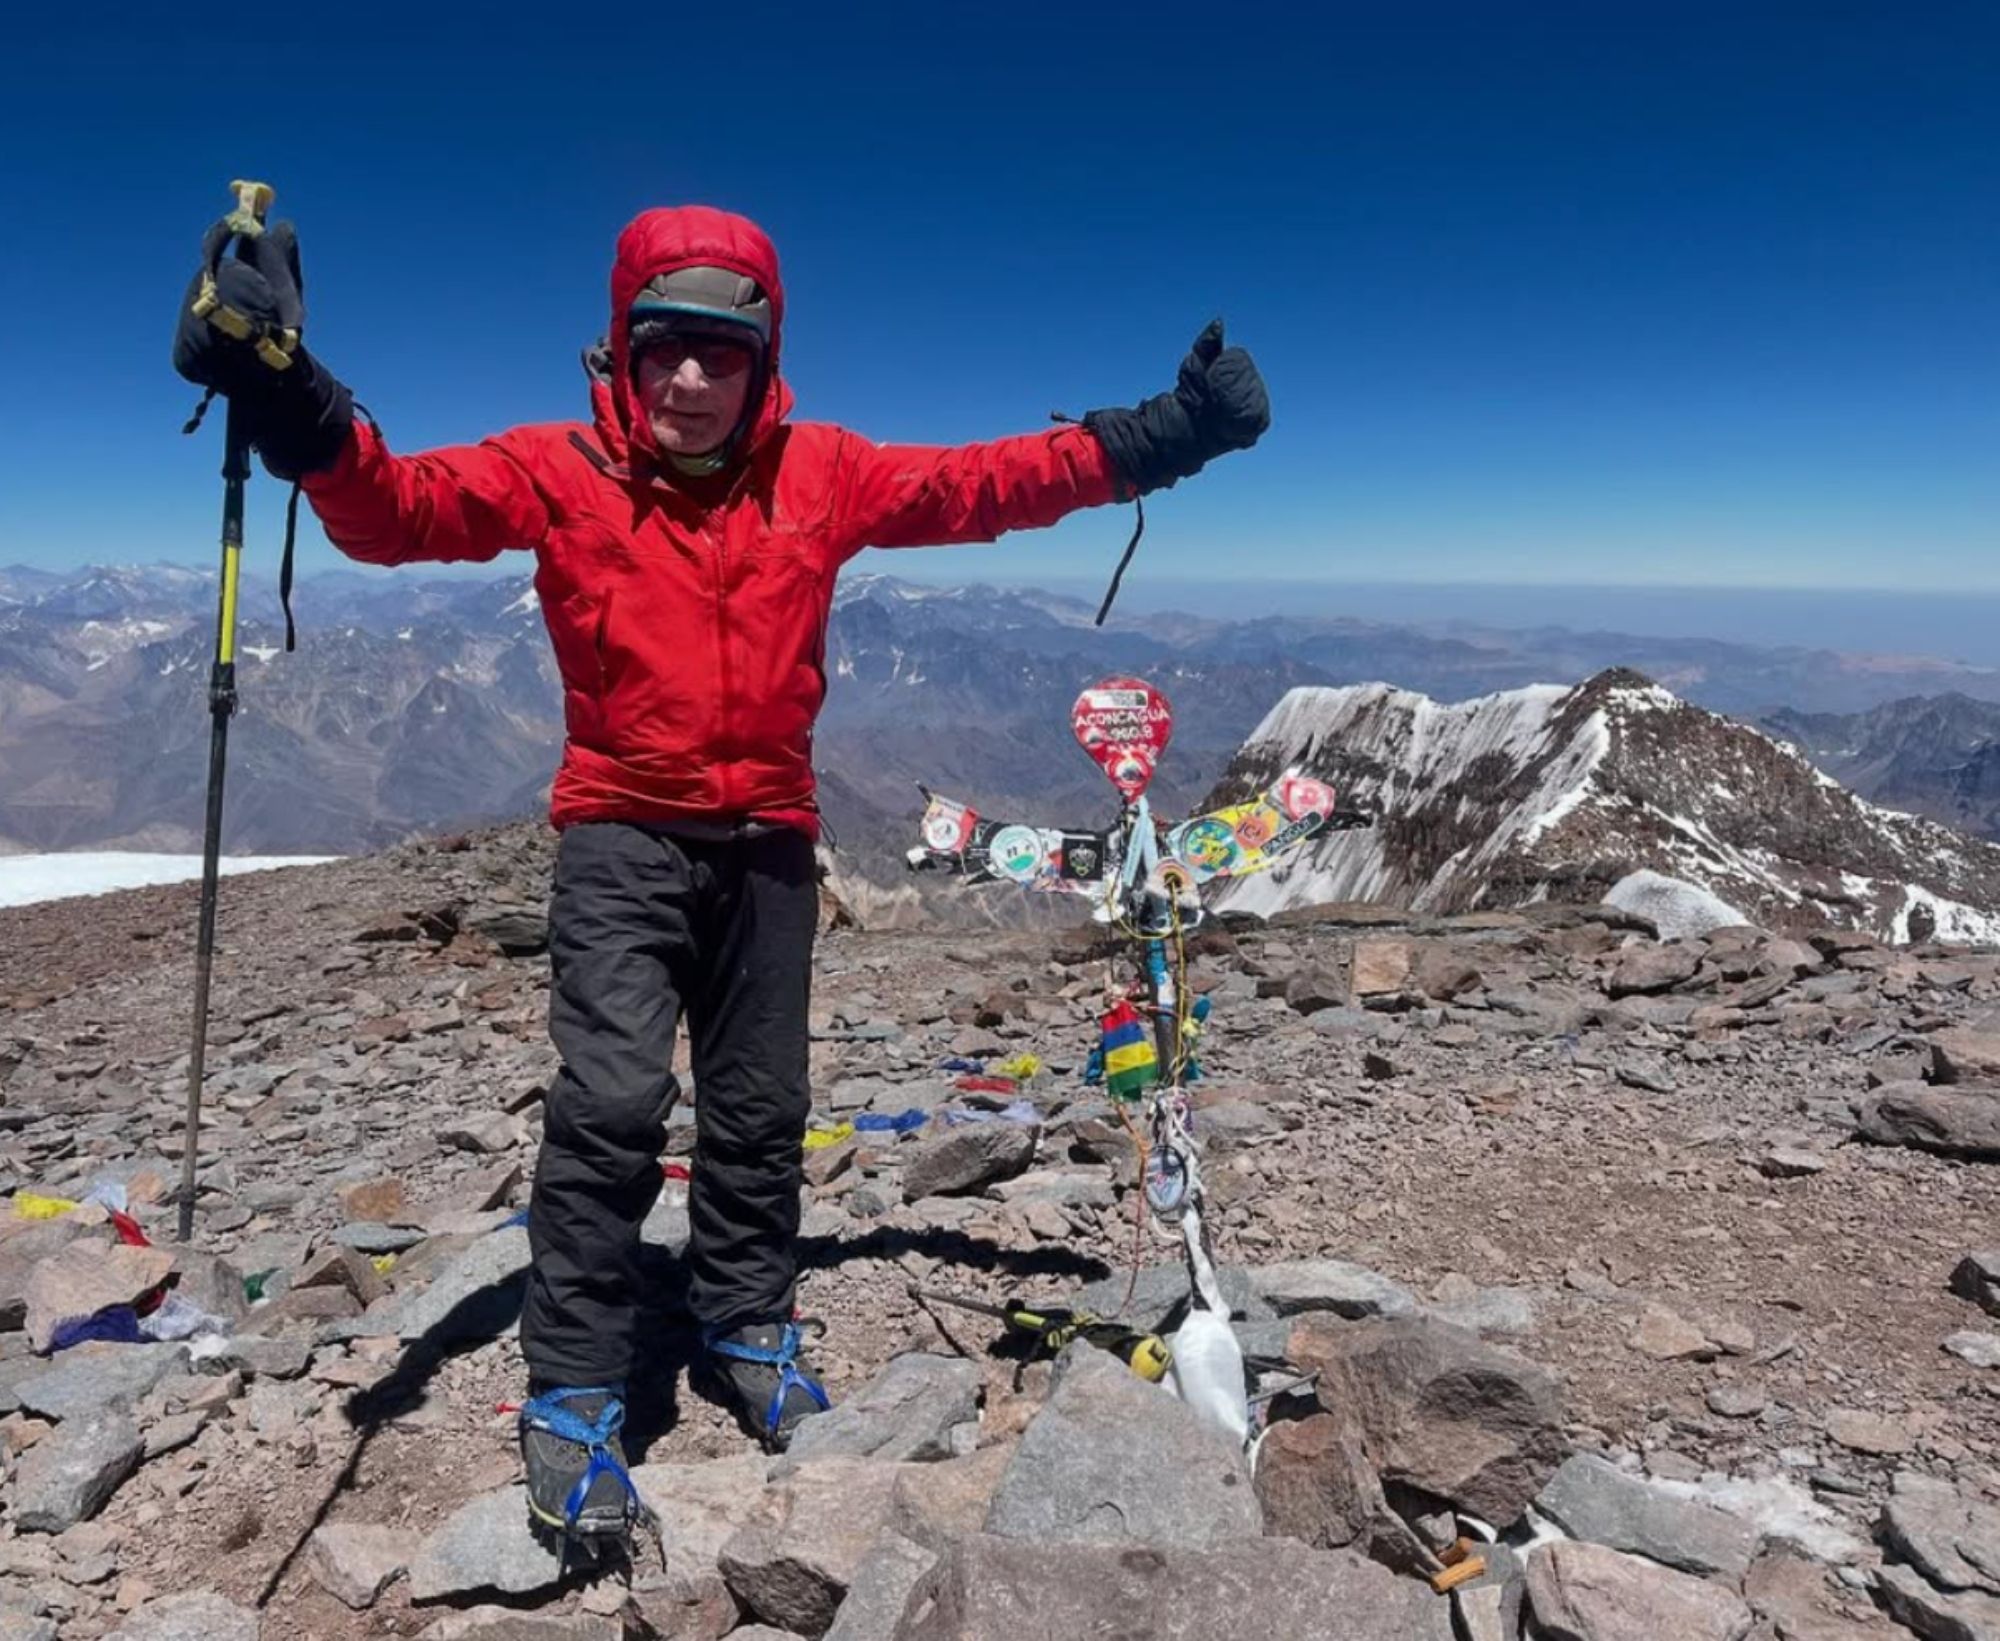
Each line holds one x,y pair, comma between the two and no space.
784,1358
548,1412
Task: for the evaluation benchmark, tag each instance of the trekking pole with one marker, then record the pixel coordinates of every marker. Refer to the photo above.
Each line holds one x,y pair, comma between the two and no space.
253,200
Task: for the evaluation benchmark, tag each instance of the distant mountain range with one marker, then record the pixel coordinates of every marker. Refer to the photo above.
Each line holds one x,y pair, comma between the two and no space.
1935,755
417,702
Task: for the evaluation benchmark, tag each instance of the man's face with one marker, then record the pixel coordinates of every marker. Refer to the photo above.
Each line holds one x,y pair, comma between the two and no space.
693,388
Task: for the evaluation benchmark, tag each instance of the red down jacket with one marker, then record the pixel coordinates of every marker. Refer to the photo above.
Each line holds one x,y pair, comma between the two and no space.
689,616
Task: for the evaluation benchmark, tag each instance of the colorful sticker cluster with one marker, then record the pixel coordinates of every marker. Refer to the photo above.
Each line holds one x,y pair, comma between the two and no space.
1249,837
1036,857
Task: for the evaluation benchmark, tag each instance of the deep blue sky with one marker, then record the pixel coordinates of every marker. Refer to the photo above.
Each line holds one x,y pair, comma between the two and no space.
1598,292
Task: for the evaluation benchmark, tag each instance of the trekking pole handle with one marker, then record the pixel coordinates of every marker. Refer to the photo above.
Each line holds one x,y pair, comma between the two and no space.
253,204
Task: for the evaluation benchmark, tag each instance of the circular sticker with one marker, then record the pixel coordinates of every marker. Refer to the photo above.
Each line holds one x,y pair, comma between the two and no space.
1302,795
1208,846
1016,852
1258,827
944,830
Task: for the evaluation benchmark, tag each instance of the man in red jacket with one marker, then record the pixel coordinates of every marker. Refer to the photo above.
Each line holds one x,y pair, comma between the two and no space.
686,545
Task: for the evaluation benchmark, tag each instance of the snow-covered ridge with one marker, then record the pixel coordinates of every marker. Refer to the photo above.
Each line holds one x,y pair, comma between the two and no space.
1547,790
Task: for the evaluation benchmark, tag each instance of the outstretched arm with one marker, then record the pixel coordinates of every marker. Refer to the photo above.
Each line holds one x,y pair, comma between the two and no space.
906,495
461,503
238,334
916,496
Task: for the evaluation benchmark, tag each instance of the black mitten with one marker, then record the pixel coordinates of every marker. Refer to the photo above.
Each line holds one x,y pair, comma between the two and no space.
238,335
1218,405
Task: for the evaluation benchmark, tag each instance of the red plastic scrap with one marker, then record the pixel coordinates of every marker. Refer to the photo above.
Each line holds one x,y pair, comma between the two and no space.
987,1085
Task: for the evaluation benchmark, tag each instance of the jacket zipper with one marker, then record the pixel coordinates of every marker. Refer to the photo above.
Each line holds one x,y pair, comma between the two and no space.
727,760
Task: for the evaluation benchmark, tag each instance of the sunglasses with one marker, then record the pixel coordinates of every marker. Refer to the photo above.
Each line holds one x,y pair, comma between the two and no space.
718,359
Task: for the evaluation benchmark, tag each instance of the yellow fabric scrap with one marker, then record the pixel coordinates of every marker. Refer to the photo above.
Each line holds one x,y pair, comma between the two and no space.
33,1205
383,1263
818,1139
1020,1068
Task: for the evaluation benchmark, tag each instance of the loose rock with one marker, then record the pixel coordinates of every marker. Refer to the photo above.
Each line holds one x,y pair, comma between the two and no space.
67,1475
1977,1277
1439,1409
968,1158
355,1563
1599,1503
199,1615
907,1412
1111,1459
1584,1592
1330,1285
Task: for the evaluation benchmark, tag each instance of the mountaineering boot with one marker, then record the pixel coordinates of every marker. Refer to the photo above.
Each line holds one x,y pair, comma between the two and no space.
577,1482
758,1367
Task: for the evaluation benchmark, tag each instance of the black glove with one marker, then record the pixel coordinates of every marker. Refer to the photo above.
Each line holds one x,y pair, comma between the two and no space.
300,415
1218,405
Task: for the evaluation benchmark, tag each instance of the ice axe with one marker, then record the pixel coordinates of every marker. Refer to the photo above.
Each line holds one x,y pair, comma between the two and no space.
245,223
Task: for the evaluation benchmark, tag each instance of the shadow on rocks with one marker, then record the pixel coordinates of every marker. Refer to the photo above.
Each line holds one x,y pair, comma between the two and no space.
953,1248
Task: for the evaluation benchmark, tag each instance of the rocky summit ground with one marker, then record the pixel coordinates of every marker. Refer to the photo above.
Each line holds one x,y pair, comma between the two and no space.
1670,1263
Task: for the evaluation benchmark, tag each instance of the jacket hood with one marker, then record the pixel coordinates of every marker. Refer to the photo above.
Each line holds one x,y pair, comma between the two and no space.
660,242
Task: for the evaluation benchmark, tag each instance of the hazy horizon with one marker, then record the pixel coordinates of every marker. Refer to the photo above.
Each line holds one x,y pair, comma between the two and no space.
1961,627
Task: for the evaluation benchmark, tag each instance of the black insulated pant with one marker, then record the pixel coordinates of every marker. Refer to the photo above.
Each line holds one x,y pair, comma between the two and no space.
643,926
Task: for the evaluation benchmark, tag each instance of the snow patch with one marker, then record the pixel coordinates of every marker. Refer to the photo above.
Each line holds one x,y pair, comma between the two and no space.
27,880
1678,909
529,602
1778,1509
1957,923
264,652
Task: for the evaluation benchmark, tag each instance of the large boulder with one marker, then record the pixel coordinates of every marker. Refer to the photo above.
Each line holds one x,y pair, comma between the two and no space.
1960,1054
26,1244
1111,1459
699,1507
887,1588
1644,970
1977,1277
1315,1484
1937,1615
1269,1588
1960,1121
92,1378
1439,1409
83,1278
